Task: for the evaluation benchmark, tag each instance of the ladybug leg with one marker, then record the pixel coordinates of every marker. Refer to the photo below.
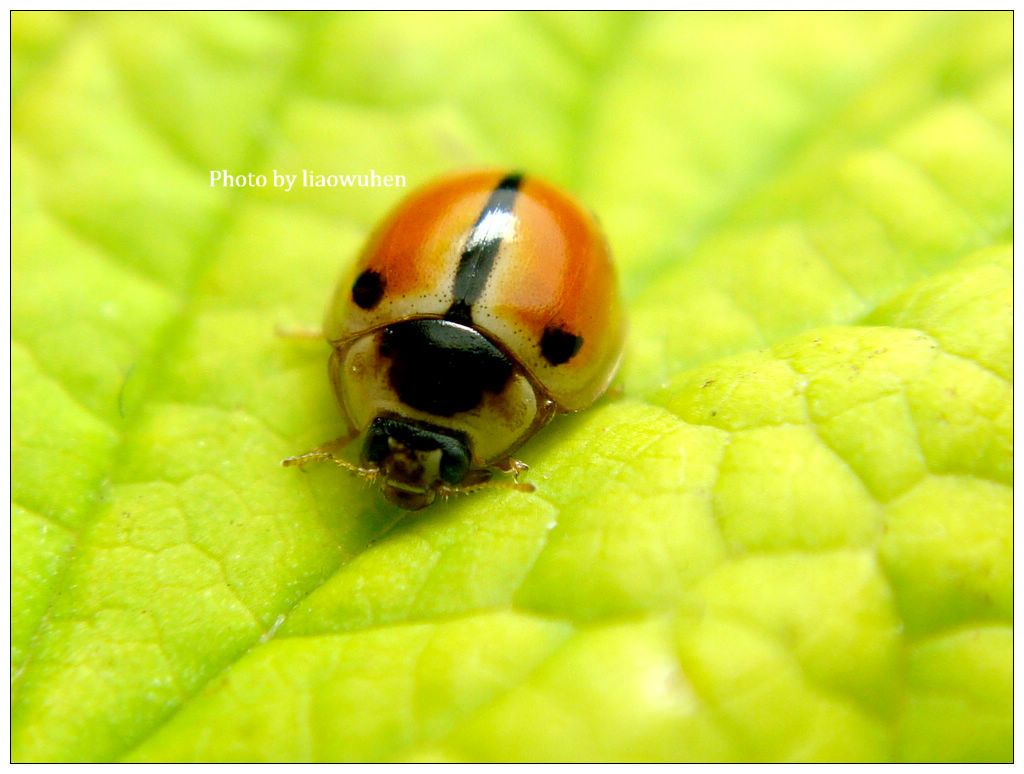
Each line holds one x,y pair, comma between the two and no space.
299,332
320,453
475,478
513,466
480,478
473,483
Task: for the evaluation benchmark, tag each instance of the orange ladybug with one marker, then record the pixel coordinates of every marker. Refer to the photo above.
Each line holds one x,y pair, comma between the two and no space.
482,306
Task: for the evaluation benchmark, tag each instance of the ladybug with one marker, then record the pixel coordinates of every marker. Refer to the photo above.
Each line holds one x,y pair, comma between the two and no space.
482,306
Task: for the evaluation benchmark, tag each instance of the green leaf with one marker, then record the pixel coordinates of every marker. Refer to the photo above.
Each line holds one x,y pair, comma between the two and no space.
787,537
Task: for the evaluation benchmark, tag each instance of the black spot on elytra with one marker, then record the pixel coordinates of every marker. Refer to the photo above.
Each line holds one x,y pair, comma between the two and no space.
368,289
559,346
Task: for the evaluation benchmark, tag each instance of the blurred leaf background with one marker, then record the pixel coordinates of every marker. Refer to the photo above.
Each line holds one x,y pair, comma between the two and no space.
789,538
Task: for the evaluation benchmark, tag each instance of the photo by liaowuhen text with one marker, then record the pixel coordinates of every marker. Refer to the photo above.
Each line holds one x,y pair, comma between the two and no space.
307,178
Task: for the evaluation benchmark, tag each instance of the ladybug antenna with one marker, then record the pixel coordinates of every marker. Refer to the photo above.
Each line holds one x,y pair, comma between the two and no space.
323,456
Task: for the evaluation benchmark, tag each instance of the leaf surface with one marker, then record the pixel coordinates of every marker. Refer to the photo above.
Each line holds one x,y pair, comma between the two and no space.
788,538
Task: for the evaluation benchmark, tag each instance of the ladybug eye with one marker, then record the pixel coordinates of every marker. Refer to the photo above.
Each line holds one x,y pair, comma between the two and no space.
454,465
368,289
376,446
559,346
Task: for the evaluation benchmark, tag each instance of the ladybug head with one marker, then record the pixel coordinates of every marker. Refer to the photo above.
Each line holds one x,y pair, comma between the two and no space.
415,459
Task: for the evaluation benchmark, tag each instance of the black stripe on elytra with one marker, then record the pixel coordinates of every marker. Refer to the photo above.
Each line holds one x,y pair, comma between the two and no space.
478,257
